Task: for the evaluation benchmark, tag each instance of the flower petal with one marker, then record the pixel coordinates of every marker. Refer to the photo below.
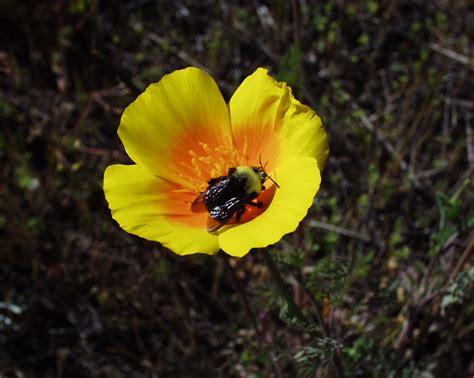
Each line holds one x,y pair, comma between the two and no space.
150,207
257,109
268,122
304,134
299,181
182,112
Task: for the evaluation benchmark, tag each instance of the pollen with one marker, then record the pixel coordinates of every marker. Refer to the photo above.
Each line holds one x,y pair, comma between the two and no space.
204,162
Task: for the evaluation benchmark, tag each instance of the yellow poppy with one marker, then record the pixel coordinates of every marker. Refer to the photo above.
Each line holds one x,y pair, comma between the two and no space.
181,133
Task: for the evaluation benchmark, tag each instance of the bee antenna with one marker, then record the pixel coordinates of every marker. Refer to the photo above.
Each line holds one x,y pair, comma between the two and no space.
260,162
263,167
272,180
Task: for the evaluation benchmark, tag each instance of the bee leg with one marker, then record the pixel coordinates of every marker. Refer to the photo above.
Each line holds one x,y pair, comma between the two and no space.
252,196
239,213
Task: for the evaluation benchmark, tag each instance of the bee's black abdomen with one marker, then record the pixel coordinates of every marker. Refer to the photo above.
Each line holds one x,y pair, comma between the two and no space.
227,196
224,212
223,191
214,181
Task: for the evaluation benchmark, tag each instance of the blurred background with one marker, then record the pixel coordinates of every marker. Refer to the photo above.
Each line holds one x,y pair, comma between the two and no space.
385,256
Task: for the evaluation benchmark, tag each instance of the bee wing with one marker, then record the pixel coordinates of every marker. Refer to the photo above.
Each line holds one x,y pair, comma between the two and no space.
218,193
213,225
199,205
220,215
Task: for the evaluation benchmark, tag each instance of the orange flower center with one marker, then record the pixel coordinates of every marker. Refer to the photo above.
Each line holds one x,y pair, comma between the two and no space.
202,162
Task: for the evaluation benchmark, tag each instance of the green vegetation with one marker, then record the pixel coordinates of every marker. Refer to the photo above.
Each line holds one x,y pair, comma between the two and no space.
381,269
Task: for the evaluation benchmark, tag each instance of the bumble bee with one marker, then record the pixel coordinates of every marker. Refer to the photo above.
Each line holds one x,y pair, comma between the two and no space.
227,196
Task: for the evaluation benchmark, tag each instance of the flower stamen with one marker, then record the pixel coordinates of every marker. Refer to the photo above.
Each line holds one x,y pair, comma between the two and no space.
209,163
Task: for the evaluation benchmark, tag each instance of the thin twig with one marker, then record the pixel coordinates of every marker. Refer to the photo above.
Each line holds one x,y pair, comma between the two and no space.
295,309
338,230
179,53
420,304
449,53
469,147
411,321
467,252
337,359
314,304
241,293
250,314
461,102
367,124
275,273
429,270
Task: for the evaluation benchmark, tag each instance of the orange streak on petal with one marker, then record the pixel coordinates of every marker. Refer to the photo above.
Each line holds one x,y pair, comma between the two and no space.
257,142
177,207
201,154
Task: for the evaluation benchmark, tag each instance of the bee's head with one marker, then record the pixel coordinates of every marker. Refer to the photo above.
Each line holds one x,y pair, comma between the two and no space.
260,172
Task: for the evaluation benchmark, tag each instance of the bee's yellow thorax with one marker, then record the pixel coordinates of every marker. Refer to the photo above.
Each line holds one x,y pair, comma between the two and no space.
253,183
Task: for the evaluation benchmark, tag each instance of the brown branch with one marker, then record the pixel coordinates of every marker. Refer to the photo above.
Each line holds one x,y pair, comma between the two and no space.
243,297
295,309
337,359
420,304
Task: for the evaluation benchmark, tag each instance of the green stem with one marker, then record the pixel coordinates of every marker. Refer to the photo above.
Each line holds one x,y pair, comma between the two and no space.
251,315
241,293
337,359
294,309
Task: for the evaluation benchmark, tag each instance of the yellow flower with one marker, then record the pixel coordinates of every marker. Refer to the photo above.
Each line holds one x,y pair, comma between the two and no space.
181,133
